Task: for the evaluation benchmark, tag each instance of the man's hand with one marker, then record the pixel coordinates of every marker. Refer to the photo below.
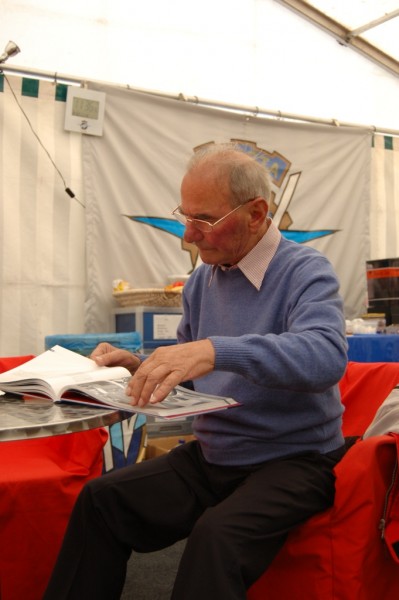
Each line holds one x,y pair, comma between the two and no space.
168,366
106,355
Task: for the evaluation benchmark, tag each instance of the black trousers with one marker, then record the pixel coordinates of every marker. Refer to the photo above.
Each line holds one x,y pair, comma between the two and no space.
235,518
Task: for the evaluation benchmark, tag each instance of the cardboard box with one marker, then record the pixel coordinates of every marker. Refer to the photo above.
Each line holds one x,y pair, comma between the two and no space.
162,445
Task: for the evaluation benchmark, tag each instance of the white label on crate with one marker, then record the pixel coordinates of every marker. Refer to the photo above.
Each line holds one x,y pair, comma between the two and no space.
165,326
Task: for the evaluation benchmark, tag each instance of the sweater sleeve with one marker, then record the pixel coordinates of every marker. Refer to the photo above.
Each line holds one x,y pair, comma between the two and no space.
307,350
289,335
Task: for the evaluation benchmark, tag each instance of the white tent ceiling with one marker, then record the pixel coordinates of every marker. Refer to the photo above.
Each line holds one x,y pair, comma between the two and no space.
289,56
368,26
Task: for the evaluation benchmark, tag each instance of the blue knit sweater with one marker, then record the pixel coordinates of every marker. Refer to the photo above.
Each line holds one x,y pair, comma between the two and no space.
279,351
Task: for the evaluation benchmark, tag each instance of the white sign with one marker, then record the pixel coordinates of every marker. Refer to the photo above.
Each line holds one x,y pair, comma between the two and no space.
165,326
84,112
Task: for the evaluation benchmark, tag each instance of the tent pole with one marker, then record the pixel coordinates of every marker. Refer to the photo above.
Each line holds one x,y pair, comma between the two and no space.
248,111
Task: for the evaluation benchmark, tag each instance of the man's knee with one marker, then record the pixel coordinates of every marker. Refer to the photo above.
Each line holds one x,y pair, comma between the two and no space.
212,530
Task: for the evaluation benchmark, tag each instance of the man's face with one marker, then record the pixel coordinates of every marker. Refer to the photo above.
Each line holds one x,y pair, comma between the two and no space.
204,197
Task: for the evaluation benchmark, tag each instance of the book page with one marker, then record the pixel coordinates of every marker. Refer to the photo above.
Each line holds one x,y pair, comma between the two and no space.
60,368
52,363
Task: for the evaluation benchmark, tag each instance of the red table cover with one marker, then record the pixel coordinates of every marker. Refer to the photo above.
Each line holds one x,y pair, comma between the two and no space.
39,482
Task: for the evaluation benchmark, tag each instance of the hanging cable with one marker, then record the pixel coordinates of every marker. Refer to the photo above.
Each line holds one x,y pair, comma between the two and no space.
66,188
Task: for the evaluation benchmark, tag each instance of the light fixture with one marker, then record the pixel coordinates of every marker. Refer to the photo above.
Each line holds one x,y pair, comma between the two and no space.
10,50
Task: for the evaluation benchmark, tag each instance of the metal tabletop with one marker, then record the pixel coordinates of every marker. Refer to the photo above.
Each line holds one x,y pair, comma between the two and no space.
22,419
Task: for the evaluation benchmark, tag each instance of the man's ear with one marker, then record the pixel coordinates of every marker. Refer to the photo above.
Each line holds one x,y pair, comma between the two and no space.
258,210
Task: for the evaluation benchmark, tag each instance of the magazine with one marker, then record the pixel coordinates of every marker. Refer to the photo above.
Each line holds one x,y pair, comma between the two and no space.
62,375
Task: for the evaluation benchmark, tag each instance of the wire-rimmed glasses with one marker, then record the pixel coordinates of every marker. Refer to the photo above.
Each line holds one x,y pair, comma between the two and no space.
201,224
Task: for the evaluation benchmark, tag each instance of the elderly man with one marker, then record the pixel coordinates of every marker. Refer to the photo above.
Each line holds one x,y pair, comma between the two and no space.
263,323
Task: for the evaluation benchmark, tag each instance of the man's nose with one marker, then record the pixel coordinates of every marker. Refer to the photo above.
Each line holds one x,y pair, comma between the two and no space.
192,234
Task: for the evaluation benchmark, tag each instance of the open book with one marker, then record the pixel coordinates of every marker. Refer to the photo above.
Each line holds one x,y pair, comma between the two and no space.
65,376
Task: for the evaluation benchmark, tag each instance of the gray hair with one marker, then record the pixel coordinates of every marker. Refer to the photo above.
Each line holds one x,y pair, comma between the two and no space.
247,177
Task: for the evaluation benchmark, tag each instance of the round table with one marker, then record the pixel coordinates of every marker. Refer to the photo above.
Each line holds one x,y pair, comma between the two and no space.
22,419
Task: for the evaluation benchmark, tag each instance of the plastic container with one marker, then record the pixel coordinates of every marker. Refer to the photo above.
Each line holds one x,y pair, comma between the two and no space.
85,343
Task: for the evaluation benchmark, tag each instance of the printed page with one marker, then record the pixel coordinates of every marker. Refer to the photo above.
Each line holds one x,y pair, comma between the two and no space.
180,402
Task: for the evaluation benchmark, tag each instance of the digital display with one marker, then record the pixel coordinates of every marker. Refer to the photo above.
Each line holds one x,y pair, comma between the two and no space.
85,108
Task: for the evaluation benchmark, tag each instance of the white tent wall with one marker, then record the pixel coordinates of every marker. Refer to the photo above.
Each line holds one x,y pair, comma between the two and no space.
384,205
43,231
239,52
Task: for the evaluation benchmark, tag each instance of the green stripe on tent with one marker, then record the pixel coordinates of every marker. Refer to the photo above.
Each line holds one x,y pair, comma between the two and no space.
388,142
61,92
30,87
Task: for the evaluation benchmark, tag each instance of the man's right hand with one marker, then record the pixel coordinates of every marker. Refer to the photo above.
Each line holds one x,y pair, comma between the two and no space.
106,355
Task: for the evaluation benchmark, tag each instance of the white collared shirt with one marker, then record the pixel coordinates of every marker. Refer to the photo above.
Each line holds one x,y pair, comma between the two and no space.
254,264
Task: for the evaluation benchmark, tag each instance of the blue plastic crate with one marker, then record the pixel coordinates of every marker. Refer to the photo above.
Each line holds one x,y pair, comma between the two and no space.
86,342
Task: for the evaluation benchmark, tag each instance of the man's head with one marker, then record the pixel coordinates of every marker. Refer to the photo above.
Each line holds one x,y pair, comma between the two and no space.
230,190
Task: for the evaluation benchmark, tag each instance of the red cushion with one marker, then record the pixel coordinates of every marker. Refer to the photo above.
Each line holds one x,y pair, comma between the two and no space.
363,388
339,554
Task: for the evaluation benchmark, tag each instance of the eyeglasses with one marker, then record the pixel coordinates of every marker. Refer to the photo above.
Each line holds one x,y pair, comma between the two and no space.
200,224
